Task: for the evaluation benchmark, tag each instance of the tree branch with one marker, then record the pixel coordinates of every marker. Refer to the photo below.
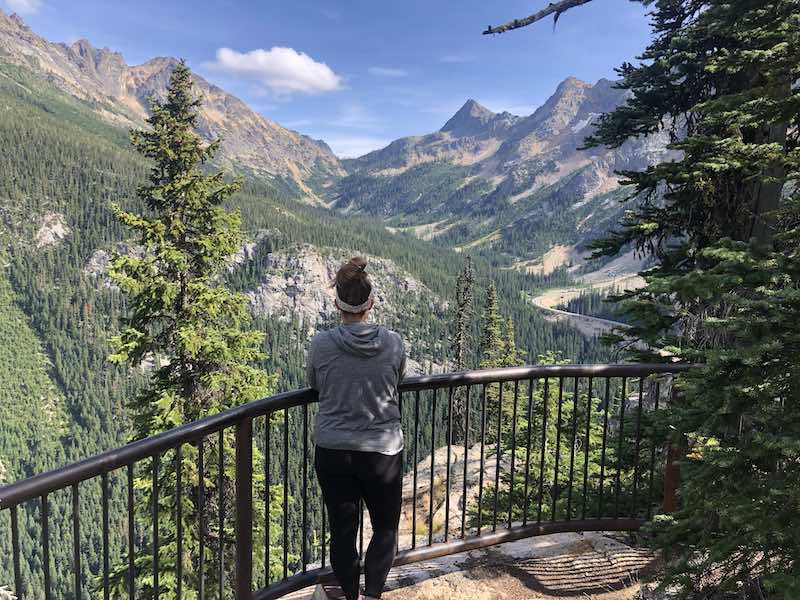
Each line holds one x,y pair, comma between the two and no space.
553,8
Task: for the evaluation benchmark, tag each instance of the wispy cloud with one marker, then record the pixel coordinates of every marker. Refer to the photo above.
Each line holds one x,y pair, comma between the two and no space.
279,70
331,14
354,146
456,58
297,123
355,115
24,7
387,72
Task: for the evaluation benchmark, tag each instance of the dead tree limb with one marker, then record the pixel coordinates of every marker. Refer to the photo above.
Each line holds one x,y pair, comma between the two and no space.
556,8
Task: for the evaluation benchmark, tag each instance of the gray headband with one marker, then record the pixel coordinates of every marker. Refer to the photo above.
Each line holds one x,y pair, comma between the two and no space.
351,308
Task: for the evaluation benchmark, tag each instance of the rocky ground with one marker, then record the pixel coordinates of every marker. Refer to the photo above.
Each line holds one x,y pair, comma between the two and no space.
567,565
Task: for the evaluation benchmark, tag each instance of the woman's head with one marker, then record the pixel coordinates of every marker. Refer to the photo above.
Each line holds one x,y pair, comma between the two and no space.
353,288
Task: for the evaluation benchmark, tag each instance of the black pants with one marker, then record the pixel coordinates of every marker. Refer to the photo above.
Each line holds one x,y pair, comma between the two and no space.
346,478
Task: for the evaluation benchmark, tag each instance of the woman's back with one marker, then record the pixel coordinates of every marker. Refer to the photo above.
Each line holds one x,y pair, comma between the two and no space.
356,368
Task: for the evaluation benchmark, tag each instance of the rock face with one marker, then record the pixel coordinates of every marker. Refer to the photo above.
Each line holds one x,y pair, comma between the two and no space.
52,230
498,179
120,94
299,282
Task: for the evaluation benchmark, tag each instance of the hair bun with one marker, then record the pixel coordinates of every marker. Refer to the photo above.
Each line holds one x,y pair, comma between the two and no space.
360,262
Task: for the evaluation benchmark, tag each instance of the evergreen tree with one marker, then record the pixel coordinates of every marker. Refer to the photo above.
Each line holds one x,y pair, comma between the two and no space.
463,317
461,342
720,78
491,344
192,328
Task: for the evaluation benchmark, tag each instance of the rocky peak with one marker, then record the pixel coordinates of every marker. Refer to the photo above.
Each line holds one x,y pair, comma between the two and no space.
13,21
101,77
471,119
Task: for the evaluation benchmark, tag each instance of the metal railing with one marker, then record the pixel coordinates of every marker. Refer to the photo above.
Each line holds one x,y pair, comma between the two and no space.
543,449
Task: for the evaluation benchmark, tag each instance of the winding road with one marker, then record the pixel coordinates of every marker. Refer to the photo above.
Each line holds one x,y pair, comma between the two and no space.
589,326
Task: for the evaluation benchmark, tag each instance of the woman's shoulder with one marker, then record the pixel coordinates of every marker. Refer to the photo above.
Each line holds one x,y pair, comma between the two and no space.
393,335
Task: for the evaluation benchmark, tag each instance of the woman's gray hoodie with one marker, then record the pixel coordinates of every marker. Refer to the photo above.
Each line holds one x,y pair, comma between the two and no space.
356,368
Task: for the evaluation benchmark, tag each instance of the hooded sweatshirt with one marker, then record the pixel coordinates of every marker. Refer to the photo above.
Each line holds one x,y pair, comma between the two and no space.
356,367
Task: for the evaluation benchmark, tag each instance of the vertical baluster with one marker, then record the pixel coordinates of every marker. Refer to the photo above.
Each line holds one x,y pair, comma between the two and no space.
221,515
76,541
447,475
201,514
104,493
572,448
179,521
46,547
402,456
483,445
267,496
243,586
653,457
414,479
433,459
15,557
528,453
617,483
637,444
285,493
513,455
305,487
589,409
606,408
131,548
156,541
543,448
466,461
556,487
499,454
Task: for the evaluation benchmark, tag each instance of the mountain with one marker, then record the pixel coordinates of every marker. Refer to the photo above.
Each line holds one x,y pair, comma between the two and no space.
513,184
119,94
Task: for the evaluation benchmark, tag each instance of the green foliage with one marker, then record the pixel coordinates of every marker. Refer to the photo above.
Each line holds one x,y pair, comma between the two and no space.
193,329
721,79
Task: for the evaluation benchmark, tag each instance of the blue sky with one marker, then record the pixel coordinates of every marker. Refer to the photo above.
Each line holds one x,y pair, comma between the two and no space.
359,73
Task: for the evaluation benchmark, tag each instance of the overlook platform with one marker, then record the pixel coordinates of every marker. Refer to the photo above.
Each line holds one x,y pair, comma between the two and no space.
550,451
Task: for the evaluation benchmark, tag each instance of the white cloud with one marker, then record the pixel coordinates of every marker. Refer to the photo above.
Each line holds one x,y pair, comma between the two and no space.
387,72
279,70
24,7
456,58
354,146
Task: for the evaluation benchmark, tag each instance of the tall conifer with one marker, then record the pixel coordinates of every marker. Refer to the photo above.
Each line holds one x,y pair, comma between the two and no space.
191,330
721,79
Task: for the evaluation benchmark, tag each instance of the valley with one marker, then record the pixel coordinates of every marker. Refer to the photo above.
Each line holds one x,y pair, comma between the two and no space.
66,111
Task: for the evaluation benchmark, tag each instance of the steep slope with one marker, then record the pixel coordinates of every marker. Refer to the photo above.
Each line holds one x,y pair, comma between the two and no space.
119,93
518,185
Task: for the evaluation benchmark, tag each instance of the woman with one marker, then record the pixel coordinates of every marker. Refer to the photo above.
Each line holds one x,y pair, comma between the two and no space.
356,368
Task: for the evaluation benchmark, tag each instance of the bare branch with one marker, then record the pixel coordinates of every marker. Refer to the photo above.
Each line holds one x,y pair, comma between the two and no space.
553,8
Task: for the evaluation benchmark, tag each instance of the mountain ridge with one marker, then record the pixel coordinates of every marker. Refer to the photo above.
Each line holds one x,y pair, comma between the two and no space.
251,142
501,180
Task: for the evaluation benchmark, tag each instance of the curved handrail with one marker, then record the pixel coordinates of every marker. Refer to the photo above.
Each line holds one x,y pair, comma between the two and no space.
45,483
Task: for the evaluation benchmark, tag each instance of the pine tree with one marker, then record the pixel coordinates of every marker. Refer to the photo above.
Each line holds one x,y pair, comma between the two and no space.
463,317
720,79
461,343
491,343
192,330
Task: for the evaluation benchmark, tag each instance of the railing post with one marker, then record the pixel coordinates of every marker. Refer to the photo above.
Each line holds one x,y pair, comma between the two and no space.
672,478
244,510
